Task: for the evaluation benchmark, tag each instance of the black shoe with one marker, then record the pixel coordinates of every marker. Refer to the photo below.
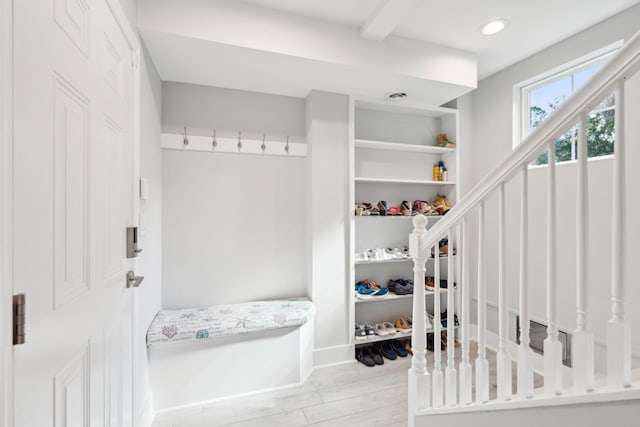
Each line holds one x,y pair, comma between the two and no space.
398,348
387,351
445,317
375,355
364,357
430,346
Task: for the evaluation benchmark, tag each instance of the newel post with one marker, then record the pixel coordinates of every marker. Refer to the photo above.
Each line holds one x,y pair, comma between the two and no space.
419,378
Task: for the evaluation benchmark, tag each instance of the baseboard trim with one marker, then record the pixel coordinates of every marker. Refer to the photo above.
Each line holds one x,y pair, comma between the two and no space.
197,406
331,356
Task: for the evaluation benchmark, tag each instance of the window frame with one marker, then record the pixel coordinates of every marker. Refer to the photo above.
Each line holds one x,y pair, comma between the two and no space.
522,90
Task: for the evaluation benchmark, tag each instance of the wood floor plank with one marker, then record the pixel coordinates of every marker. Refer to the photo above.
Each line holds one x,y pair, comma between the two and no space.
355,405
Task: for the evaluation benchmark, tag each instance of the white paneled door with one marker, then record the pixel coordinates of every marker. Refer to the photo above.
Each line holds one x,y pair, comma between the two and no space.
73,199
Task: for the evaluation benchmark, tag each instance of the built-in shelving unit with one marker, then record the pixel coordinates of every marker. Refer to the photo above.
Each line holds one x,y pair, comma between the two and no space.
393,152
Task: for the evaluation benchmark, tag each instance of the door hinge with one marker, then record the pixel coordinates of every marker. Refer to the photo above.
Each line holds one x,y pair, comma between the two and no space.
19,312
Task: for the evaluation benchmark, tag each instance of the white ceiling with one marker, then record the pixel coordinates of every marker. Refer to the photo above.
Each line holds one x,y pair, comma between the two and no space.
533,25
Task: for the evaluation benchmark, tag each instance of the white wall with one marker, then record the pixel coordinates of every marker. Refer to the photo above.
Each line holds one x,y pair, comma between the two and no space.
148,296
328,135
492,105
234,227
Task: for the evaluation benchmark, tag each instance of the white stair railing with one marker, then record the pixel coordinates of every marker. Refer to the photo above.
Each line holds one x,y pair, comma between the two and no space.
435,389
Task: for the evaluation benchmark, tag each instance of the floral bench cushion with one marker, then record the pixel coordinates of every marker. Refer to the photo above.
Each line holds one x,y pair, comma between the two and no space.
205,323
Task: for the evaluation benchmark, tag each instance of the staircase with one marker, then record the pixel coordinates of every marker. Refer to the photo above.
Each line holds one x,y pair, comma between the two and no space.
463,386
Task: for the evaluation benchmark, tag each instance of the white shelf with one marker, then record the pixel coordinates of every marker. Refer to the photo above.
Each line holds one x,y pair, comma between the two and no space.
392,297
401,181
397,217
397,335
384,261
394,146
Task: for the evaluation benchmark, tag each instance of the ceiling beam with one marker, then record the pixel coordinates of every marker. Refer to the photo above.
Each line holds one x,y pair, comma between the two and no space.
386,18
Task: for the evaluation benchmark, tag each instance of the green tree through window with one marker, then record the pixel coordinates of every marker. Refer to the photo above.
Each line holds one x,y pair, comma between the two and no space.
543,97
600,132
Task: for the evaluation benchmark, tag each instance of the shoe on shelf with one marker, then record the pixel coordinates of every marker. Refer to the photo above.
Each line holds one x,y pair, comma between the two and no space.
382,207
407,345
430,285
367,290
401,325
398,348
394,211
361,256
361,333
389,327
444,248
361,210
441,204
380,330
430,343
401,286
445,318
375,355
428,321
365,357
364,291
386,350
368,328
405,208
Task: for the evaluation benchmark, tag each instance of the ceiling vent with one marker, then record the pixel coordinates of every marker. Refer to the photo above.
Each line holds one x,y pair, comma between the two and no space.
395,96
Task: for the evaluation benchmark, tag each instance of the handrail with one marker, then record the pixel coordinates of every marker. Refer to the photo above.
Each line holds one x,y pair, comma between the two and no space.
623,65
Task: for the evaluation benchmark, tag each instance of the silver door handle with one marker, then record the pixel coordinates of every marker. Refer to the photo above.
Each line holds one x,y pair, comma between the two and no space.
133,281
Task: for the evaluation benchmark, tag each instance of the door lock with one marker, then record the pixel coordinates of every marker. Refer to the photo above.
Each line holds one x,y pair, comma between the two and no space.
133,281
132,242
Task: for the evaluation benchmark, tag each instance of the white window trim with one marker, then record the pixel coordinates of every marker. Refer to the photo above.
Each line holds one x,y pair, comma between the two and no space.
520,90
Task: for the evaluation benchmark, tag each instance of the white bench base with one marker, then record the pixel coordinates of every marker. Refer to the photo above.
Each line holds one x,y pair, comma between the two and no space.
192,374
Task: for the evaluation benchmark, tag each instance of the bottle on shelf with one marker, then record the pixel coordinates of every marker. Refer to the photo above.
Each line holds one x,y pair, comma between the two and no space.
440,171
436,172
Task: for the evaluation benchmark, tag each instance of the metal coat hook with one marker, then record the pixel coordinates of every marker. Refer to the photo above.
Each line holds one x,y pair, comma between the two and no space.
214,143
185,140
263,146
239,140
286,147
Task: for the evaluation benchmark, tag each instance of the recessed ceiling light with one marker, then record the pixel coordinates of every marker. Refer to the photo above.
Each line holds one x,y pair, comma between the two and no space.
494,27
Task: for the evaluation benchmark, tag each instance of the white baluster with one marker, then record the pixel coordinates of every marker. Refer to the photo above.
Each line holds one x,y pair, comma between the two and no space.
503,359
450,371
525,354
466,380
419,378
582,341
618,329
552,346
438,397
482,365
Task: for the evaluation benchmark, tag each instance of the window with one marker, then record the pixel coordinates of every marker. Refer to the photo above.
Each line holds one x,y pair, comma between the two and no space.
542,95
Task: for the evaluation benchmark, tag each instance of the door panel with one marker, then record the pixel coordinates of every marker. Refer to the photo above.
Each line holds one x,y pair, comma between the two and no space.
73,186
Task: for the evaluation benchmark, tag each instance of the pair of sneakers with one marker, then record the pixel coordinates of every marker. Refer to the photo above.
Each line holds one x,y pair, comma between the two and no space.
391,349
364,331
401,286
367,289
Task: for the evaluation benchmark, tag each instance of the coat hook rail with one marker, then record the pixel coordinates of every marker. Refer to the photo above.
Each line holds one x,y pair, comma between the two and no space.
282,146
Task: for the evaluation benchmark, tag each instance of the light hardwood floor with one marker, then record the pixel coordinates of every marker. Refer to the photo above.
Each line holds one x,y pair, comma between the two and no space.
345,395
